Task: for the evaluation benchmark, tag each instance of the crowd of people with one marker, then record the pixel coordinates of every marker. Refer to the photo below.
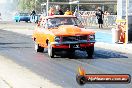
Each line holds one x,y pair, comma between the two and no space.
97,17
58,11
87,17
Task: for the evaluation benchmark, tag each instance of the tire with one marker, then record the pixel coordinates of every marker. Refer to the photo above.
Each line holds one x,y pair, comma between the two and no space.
50,51
38,48
16,20
90,51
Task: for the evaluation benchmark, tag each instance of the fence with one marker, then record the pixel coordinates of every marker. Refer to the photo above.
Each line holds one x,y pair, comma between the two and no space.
89,19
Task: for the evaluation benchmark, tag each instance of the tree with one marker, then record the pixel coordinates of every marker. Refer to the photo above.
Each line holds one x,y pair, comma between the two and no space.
29,5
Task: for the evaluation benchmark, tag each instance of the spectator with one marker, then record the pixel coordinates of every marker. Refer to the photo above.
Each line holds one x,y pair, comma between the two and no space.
77,14
100,16
68,12
33,15
59,11
51,11
106,14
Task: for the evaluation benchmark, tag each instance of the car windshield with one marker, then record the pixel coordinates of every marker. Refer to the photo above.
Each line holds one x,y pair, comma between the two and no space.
55,22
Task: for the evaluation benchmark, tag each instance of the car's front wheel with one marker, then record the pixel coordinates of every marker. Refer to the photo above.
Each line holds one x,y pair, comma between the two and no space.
38,48
50,50
90,51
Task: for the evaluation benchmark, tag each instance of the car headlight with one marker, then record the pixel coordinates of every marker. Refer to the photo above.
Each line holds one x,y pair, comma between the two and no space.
91,37
57,39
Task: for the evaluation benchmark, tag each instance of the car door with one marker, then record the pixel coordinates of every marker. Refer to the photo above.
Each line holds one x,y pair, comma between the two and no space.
37,33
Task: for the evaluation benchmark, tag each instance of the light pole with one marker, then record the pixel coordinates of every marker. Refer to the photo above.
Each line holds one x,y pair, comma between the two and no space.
35,4
78,6
47,7
127,4
43,5
75,2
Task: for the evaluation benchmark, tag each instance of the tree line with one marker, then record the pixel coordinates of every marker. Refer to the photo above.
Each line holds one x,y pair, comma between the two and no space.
29,5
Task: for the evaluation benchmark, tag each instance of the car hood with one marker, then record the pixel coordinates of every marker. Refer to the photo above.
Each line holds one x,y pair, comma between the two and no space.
70,30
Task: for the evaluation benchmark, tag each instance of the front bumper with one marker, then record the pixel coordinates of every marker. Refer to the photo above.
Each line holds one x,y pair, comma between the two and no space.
75,44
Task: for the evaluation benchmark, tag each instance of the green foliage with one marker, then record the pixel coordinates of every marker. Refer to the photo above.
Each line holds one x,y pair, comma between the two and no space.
26,5
29,5
59,0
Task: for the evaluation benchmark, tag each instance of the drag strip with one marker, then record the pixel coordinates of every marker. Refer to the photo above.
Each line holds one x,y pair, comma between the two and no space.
62,70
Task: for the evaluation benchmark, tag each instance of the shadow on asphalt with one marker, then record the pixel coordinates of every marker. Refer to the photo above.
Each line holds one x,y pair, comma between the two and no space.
12,47
98,54
14,43
106,54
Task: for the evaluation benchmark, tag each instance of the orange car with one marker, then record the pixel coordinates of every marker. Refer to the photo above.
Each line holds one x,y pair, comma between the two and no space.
62,32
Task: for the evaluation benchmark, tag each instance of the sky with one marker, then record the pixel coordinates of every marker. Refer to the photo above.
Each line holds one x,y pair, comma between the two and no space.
3,1
7,9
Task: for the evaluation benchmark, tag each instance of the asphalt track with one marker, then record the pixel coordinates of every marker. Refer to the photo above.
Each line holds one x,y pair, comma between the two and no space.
62,70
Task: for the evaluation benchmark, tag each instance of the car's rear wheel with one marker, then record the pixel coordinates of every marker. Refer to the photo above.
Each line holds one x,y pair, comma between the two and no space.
90,51
51,52
38,48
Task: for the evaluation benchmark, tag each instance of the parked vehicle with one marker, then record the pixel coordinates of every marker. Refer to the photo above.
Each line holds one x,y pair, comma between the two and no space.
62,32
22,17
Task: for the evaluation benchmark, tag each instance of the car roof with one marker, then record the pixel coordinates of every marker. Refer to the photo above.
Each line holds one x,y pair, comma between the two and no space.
54,16
23,13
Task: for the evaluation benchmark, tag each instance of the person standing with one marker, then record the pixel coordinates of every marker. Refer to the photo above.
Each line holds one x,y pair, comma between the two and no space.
77,14
33,14
106,14
100,16
51,11
59,11
68,12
